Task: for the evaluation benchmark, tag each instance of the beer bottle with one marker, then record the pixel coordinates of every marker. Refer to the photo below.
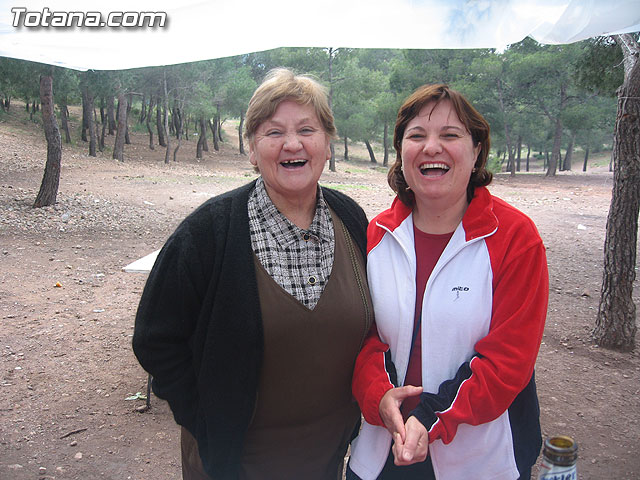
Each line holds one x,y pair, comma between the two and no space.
559,458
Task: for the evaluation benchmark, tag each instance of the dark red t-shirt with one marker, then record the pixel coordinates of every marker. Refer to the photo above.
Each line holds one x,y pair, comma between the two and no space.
428,248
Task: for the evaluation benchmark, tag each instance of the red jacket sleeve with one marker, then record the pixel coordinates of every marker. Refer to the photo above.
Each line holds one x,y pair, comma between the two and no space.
373,375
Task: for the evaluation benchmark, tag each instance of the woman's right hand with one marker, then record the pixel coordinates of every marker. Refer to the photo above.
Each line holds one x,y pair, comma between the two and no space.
416,446
390,408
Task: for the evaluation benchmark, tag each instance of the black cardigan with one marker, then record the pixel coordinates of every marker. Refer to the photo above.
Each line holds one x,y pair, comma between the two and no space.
198,329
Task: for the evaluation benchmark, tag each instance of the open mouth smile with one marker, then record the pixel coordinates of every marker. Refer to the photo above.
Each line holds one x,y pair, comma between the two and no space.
434,169
297,163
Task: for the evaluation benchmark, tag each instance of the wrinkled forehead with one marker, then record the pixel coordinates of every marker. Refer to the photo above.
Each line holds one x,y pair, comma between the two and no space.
290,111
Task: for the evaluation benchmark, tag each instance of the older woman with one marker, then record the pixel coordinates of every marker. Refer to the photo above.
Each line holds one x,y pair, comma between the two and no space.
459,284
257,306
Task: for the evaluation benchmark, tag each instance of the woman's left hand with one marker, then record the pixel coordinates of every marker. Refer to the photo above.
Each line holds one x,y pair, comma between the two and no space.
416,445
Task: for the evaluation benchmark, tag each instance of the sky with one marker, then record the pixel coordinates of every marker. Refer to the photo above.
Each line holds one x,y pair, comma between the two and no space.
197,30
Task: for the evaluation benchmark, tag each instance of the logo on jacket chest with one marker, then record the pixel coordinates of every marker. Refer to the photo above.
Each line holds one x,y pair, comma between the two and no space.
457,291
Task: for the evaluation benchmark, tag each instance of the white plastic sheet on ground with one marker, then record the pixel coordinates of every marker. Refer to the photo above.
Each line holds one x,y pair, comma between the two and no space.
199,30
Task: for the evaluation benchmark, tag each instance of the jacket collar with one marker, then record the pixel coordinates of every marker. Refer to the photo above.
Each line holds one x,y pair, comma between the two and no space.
479,220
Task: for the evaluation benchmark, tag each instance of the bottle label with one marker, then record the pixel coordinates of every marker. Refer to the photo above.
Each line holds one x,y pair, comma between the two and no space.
555,472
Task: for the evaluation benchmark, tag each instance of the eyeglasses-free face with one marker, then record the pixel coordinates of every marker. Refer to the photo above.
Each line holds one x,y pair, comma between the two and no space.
290,149
438,156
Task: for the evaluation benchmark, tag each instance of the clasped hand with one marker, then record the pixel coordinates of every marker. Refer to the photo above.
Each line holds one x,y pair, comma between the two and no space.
410,439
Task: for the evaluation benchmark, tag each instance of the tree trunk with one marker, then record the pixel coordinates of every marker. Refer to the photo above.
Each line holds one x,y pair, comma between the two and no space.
143,108
64,118
616,321
111,118
93,139
528,155
179,128
103,122
51,179
167,154
555,158
118,148
95,130
511,161
85,113
545,163
216,143
586,158
518,152
568,156
385,143
346,149
148,122
510,164
201,137
202,124
160,125
240,139
176,117
219,123
372,155
127,140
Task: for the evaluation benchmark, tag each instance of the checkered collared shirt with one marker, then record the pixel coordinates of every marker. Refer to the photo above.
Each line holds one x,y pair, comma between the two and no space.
300,261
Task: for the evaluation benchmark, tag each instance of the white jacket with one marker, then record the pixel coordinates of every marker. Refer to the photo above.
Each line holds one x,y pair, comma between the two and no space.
483,314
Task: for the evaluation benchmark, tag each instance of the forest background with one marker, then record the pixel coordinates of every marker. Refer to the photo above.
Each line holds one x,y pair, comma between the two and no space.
541,100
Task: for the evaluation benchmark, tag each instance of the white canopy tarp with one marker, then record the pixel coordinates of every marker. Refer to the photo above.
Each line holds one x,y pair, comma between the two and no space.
198,30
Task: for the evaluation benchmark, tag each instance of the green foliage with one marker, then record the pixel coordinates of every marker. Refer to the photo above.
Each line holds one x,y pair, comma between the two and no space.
599,69
237,90
353,103
494,164
21,79
66,86
520,91
301,60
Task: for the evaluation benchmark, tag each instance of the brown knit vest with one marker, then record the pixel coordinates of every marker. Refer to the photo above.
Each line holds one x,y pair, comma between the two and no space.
305,413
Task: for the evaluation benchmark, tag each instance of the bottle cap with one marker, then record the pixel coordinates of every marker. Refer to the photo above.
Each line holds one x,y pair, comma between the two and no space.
561,450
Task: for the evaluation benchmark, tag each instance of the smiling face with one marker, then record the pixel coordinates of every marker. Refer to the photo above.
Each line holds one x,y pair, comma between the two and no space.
438,156
290,149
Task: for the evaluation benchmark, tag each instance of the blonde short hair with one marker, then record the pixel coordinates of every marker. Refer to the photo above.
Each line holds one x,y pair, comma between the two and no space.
282,84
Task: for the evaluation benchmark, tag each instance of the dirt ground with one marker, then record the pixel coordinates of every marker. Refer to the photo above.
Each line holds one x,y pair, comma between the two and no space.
67,307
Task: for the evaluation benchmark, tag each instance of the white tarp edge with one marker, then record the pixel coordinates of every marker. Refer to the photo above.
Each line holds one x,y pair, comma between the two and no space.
199,30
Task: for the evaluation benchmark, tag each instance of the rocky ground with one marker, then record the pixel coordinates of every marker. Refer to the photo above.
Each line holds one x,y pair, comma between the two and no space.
67,372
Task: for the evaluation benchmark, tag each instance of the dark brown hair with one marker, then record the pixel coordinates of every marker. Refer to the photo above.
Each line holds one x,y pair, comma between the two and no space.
475,123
